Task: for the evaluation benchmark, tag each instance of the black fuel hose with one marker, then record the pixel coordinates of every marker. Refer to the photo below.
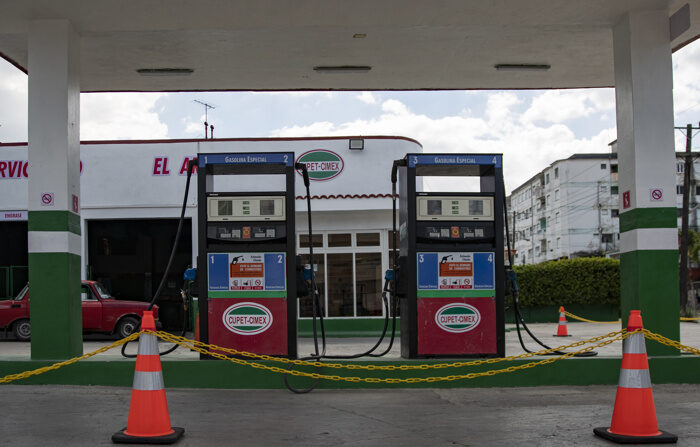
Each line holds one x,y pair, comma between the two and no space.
190,166
519,320
318,311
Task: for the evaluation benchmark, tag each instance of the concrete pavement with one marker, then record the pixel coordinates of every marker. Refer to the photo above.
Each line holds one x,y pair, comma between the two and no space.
542,416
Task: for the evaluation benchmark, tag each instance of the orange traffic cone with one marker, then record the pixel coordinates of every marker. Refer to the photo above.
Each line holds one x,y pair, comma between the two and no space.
561,329
634,415
149,421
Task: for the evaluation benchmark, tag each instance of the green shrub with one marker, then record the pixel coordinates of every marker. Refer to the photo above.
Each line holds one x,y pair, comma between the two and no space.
570,281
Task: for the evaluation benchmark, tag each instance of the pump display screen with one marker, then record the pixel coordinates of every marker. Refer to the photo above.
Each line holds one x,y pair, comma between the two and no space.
434,207
267,207
246,208
225,207
455,208
476,207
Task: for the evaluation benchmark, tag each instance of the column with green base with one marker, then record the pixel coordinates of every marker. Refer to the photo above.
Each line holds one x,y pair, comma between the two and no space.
646,155
54,190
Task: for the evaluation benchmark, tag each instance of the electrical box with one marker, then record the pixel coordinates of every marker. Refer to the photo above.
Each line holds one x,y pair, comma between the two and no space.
451,278
247,255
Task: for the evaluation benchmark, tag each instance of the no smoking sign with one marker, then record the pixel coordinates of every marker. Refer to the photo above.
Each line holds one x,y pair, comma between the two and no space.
47,199
656,194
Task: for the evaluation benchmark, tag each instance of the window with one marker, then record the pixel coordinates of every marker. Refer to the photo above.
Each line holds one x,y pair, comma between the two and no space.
368,239
613,169
679,189
546,178
614,190
340,240
547,202
680,168
607,238
305,304
697,190
368,282
556,173
304,240
558,243
556,195
556,218
603,166
614,213
603,188
86,294
349,270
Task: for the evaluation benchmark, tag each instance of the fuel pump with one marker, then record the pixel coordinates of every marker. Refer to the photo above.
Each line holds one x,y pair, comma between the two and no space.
451,268
247,254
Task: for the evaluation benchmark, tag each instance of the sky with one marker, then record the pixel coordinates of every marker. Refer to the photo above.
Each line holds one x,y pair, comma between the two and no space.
531,128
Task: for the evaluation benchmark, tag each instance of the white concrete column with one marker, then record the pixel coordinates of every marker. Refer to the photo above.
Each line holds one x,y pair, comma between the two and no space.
648,233
54,189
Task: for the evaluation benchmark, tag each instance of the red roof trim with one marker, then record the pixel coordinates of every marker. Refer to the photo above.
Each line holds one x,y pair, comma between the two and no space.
348,196
197,140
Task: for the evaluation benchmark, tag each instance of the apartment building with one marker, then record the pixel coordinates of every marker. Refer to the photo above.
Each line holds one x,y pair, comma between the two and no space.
570,209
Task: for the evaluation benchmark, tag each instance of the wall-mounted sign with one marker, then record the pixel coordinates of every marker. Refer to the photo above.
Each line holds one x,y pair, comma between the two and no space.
322,164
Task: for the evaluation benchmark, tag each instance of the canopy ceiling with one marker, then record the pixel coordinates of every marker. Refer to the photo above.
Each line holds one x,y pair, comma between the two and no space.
275,44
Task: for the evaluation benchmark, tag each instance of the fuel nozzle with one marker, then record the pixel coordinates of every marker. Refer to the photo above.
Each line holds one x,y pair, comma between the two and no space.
388,277
304,172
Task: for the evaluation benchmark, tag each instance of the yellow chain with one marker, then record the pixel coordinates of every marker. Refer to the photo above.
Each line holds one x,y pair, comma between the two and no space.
202,348
668,342
34,372
193,344
576,317
196,346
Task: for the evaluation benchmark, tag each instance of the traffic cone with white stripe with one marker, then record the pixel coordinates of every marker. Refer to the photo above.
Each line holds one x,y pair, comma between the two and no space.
561,329
149,421
634,415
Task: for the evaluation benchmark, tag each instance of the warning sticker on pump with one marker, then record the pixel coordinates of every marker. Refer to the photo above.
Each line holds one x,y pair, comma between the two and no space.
455,271
255,272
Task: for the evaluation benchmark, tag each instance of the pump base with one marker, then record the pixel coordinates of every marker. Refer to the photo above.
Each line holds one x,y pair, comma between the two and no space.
662,438
122,438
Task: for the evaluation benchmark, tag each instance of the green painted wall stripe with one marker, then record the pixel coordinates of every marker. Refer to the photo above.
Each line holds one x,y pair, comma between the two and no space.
246,295
649,282
117,371
54,220
456,293
56,312
648,218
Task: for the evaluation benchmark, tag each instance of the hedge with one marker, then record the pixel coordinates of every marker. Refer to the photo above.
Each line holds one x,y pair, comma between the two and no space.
570,281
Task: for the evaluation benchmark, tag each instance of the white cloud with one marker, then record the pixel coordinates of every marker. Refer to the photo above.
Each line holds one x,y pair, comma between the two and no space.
686,90
558,106
367,98
394,107
13,103
115,116
527,148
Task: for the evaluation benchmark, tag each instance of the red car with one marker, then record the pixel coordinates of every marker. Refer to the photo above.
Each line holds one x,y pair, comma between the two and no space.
101,312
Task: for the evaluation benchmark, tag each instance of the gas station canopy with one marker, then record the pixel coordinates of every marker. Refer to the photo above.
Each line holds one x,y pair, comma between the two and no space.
165,45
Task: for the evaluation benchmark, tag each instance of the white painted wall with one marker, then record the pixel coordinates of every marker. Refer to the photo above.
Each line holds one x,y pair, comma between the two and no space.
118,181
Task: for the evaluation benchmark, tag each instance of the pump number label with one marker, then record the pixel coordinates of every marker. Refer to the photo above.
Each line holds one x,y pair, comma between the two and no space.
250,272
456,271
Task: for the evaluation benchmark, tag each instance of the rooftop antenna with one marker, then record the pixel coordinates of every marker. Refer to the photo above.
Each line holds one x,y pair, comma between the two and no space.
206,116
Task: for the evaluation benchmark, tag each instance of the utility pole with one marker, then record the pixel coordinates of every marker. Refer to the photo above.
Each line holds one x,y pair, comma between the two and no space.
687,186
600,228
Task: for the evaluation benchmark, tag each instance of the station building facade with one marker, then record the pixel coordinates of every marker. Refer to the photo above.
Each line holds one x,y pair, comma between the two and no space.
132,192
